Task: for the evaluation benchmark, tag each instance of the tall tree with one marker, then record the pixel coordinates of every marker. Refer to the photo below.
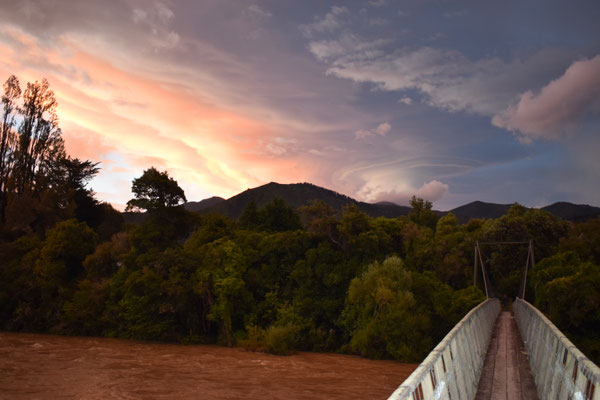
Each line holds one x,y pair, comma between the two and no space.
71,178
8,137
40,143
421,213
155,190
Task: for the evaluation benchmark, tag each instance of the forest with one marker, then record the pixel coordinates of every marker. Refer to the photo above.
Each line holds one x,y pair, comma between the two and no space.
277,279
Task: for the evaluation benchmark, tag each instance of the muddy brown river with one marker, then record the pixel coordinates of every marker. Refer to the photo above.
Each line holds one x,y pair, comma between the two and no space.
56,367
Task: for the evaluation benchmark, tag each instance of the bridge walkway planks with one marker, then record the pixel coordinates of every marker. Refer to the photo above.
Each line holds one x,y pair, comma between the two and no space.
506,373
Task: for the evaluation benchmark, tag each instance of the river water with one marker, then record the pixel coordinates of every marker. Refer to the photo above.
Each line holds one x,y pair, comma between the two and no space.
36,366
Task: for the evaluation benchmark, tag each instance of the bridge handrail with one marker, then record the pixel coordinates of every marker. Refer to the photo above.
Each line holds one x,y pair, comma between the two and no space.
452,369
559,368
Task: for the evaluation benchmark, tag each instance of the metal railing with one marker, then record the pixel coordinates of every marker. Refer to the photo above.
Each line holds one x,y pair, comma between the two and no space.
452,369
560,370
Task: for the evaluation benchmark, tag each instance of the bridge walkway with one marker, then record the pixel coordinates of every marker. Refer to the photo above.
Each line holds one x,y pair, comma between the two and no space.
506,374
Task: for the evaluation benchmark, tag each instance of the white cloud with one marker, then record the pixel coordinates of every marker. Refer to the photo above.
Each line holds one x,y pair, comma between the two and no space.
362,133
348,47
381,130
558,106
254,11
406,100
433,191
447,79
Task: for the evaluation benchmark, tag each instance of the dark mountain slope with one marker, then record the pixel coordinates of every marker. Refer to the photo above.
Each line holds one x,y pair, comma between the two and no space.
479,209
573,212
299,194
198,206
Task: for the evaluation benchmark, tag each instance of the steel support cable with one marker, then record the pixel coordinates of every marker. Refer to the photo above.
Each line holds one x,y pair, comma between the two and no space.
482,270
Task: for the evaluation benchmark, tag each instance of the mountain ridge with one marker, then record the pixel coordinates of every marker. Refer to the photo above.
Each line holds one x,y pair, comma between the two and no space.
299,194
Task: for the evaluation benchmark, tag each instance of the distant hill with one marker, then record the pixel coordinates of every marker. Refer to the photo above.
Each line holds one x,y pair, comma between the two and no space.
479,209
573,212
299,194
564,210
198,206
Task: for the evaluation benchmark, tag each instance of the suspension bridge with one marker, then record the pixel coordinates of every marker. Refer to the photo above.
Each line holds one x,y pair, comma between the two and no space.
493,354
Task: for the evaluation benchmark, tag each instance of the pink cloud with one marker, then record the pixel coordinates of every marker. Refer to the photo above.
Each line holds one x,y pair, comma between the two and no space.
211,147
558,106
83,143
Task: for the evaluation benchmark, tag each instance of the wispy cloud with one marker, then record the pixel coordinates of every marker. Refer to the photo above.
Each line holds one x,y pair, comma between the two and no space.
330,22
156,19
227,96
447,79
166,122
347,48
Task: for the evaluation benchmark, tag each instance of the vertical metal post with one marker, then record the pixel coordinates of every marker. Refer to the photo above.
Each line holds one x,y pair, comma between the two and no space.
482,270
475,266
529,250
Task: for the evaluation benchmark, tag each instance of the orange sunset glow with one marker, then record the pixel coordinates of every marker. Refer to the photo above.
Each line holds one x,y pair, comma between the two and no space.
229,96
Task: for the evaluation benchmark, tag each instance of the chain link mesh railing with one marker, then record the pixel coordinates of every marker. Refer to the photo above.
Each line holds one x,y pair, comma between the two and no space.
560,370
452,369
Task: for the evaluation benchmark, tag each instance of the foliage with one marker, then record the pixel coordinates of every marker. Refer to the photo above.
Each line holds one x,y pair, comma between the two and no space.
154,191
381,313
568,290
276,216
281,339
507,263
422,213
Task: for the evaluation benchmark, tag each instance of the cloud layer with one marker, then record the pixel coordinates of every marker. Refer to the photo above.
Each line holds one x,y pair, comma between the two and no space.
373,101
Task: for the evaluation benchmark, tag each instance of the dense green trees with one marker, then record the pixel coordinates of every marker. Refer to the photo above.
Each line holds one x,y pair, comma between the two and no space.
379,287
278,279
381,313
567,287
507,263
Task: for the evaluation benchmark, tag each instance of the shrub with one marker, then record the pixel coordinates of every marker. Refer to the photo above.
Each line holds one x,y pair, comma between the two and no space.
281,339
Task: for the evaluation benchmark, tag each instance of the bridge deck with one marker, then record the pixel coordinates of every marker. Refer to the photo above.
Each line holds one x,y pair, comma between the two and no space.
506,374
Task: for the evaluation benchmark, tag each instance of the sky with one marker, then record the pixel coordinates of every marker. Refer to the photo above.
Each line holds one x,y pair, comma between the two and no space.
449,100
